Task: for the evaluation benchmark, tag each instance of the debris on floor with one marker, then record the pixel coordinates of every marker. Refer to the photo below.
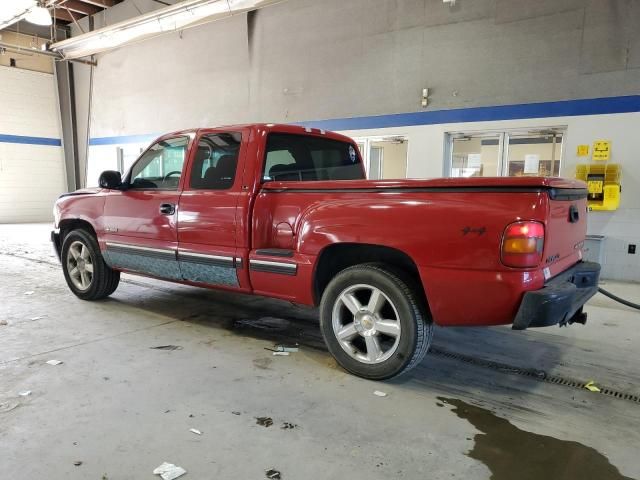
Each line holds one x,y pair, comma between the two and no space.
284,348
54,362
264,421
8,406
288,426
3,322
273,474
30,292
379,393
281,354
591,386
25,393
236,413
77,463
39,317
169,471
196,431
167,347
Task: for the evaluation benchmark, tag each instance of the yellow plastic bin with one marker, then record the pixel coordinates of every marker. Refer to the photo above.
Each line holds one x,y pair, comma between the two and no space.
603,182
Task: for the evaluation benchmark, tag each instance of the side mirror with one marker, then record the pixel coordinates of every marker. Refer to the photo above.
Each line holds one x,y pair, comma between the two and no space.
110,179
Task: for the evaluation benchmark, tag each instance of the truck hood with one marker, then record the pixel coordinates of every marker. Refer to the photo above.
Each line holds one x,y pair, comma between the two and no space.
480,183
82,191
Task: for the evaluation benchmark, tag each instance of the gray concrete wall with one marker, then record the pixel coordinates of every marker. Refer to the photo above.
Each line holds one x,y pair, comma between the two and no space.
316,59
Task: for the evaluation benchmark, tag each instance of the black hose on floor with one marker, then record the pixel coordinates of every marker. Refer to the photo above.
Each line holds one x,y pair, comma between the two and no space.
618,299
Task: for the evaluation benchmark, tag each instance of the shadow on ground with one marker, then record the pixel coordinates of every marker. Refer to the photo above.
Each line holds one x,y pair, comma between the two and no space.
285,323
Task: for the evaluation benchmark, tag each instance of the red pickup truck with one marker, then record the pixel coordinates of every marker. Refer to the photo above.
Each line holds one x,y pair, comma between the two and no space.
286,211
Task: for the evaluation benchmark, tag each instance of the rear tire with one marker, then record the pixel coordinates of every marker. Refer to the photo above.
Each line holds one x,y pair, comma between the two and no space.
373,323
86,273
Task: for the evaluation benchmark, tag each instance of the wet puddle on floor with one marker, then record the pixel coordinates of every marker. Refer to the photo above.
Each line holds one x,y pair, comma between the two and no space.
511,453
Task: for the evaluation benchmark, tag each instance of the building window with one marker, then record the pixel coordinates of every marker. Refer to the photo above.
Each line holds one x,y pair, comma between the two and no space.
384,157
513,153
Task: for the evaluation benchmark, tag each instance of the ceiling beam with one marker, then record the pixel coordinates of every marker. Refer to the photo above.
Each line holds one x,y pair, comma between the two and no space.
80,7
89,3
46,53
101,3
66,15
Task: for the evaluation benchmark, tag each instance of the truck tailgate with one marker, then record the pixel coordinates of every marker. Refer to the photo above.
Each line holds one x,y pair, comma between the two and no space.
566,228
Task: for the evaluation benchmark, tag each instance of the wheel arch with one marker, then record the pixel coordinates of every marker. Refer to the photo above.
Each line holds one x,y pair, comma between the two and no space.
104,280
71,224
338,256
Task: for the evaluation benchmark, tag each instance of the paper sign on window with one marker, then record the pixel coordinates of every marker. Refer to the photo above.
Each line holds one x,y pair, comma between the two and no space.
531,163
474,160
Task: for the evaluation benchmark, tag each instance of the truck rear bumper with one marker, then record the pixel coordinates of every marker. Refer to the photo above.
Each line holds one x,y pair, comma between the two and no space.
561,299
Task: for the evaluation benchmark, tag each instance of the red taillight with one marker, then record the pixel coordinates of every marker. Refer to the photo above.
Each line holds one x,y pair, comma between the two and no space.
522,244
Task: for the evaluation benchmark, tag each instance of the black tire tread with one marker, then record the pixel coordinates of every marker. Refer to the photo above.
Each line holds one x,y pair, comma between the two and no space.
107,278
424,326
424,323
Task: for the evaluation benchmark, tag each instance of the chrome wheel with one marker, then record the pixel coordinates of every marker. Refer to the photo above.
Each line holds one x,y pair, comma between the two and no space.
366,323
80,265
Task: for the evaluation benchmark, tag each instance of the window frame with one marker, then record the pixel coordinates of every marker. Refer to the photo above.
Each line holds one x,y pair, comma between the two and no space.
323,137
129,185
367,141
504,136
188,178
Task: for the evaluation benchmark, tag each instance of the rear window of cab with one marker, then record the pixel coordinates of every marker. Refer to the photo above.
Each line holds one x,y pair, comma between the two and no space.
291,157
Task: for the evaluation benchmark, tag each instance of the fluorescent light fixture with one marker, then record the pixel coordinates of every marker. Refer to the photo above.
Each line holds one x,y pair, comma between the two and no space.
39,16
13,11
182,15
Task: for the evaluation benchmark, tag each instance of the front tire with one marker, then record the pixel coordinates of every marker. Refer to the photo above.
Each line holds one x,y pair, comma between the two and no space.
86,273
373,323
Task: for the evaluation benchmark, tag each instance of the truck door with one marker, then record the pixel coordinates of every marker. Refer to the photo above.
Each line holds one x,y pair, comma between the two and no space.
140,228
208,214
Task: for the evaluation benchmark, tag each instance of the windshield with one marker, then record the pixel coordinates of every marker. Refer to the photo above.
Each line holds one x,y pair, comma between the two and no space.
305,157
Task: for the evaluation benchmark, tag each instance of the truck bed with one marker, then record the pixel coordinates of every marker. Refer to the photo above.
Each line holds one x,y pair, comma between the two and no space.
435,184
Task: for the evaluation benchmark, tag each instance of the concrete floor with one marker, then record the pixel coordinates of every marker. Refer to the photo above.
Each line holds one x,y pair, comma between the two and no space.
122,408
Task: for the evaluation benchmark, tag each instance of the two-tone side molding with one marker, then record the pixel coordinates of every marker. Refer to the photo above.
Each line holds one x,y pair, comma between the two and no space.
270,266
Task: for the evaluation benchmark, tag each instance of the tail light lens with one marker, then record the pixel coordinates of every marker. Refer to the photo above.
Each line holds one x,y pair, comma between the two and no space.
522,244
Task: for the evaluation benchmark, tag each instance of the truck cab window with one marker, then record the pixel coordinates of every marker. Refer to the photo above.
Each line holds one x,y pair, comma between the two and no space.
291,157
160,167
216,161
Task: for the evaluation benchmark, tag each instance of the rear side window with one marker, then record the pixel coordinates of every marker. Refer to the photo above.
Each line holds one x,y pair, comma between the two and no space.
304,157
216,161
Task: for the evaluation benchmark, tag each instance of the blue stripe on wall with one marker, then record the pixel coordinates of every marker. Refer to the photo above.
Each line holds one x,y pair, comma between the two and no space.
123,139
565,108
55,142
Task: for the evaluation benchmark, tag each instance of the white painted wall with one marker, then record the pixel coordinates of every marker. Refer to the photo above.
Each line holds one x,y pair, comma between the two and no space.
309,60
105,157
31,176
426,150
621,227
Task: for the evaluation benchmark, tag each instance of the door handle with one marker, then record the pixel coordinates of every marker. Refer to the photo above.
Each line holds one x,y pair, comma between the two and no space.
167,208
574,214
